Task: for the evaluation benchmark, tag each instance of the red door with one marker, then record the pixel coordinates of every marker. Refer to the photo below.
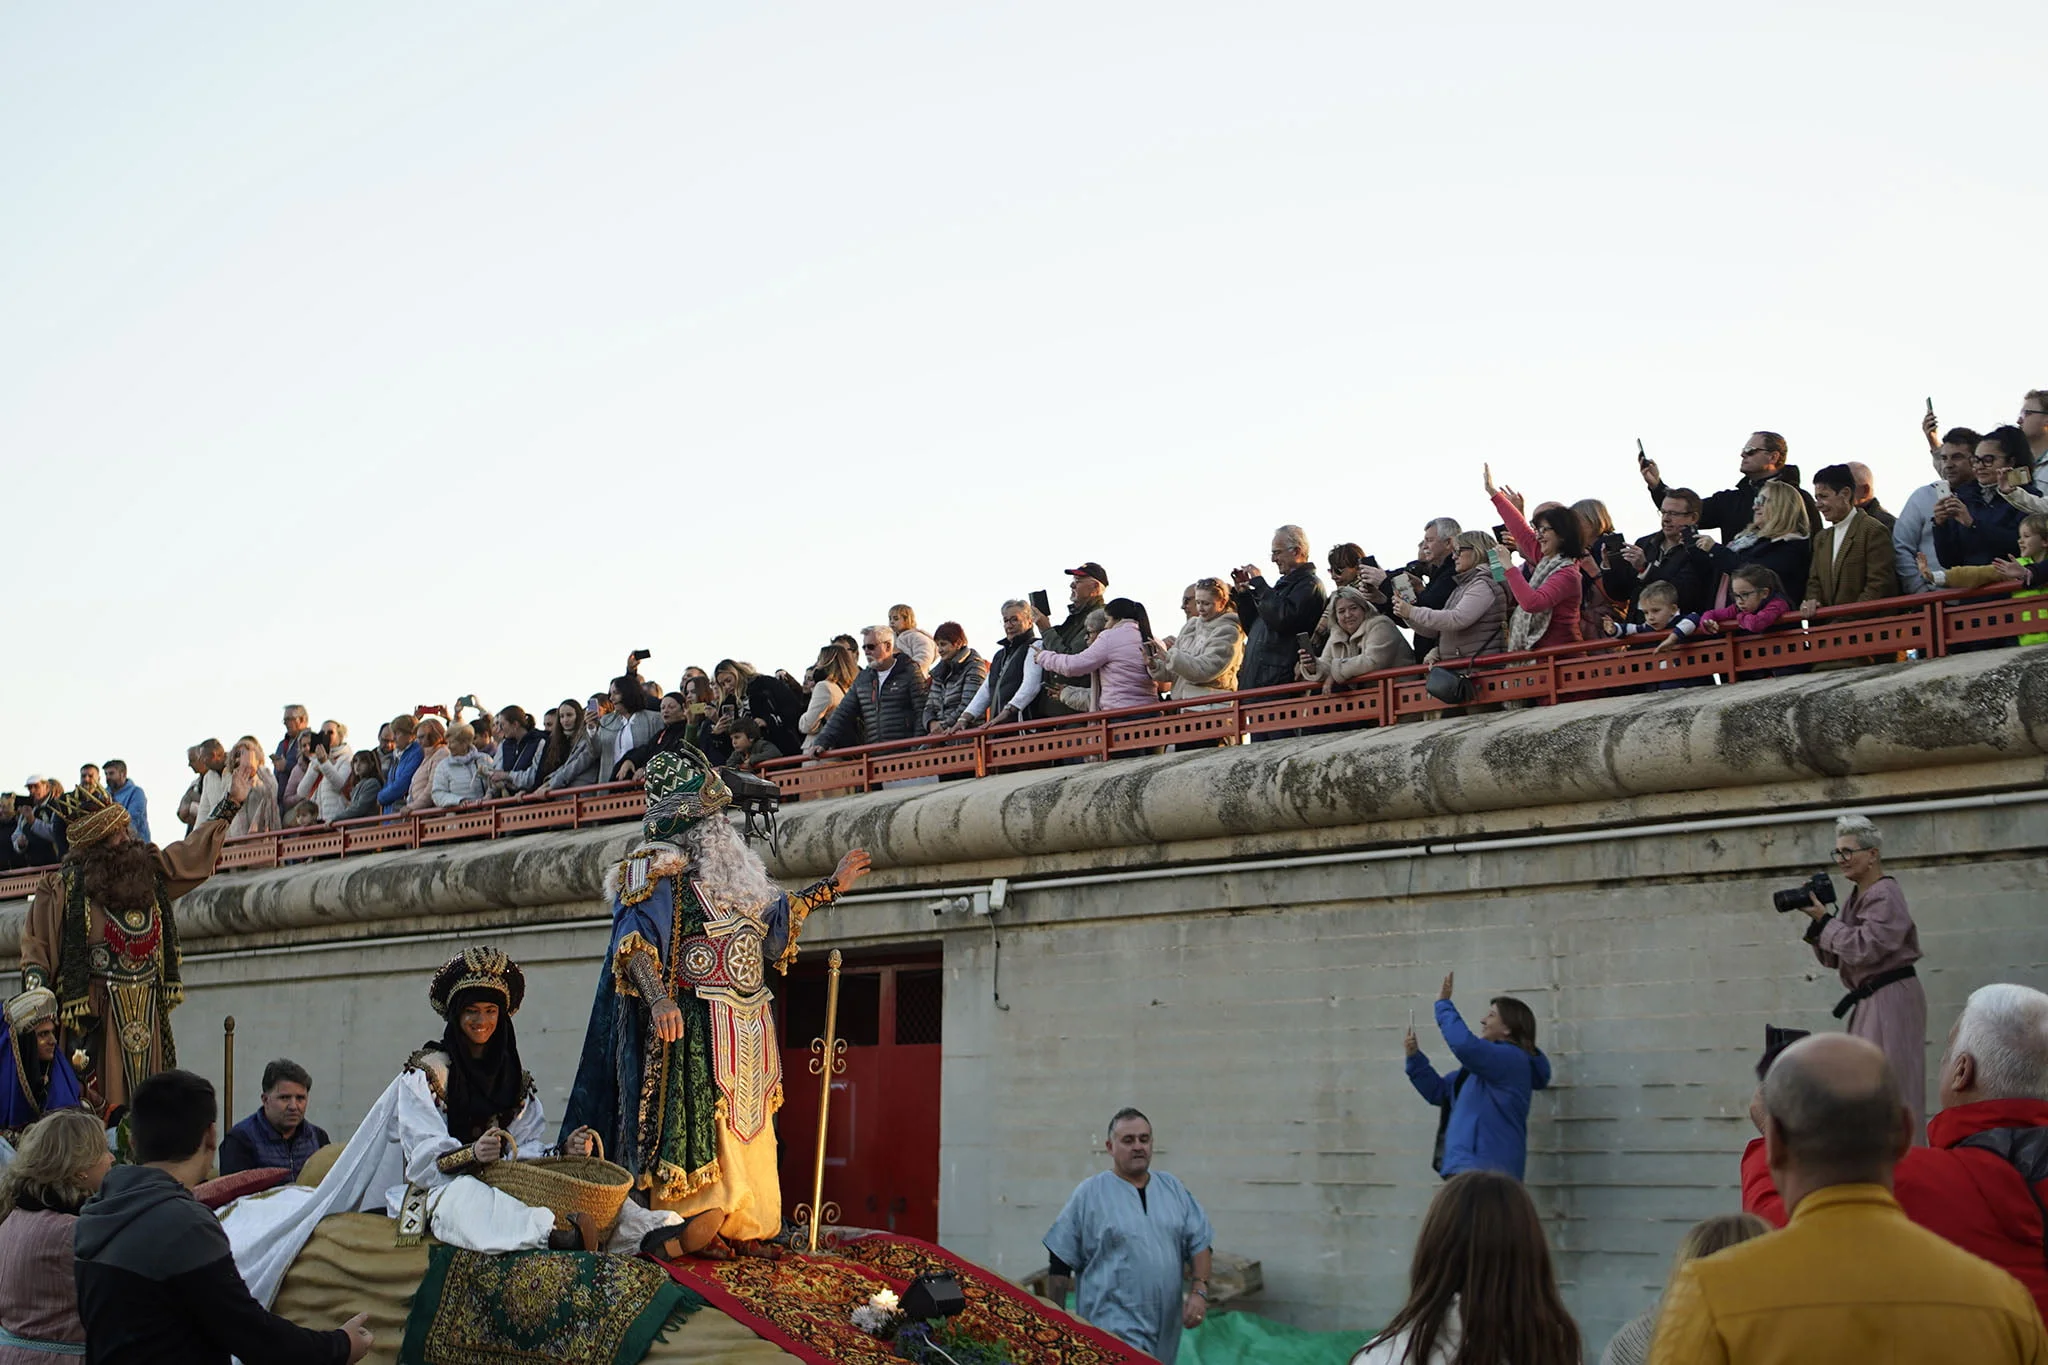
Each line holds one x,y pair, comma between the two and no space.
882,1147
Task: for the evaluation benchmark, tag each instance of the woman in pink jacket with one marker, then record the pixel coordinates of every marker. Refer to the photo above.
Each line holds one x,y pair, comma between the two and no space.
1546,592
1116,657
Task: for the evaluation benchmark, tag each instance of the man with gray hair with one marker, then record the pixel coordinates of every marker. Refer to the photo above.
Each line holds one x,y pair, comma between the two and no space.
1276,614
886,700
285,759
1851,1278
1982,1180
1431,578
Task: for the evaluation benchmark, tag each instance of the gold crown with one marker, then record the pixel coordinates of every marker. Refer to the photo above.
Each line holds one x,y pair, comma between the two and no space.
478,968
90,816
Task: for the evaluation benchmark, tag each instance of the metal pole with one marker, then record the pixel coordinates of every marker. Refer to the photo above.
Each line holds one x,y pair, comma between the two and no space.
825,1063
227,1068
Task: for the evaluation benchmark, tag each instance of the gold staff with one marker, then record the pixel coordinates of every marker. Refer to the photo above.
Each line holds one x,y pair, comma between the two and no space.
828,1058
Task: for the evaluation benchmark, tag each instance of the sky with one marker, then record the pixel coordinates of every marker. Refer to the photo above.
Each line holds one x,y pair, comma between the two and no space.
362,356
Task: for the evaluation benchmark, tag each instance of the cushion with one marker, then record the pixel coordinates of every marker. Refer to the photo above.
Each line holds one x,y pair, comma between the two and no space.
223,1190
319,1164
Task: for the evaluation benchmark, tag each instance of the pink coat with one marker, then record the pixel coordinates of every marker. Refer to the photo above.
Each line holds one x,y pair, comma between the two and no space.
1558,594
1117,657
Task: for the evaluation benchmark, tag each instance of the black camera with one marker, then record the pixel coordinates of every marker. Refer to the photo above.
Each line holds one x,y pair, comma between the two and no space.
1415,568
1608,547
1820,886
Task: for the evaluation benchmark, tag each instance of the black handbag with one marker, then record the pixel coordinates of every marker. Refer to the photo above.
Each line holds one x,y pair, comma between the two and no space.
1453,686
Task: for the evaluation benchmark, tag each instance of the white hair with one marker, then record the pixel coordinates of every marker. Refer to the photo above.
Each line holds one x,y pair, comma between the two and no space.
1017,604
883,634
2004,1028
1294,536
1446,528
1860,829
730,871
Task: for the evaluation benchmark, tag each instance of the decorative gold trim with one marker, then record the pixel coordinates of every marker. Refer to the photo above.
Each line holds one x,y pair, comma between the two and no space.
631,946
459,1159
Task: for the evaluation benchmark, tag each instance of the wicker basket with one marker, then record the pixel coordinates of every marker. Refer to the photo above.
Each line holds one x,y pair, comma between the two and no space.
565,1185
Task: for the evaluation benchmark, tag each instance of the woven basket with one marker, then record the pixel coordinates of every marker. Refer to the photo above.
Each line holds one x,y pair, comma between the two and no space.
565,1185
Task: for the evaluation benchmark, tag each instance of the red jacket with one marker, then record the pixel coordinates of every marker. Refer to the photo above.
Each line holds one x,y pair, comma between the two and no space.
1969,1196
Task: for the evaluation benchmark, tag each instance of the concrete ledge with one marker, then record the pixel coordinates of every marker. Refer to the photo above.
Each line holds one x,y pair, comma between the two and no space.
1975,708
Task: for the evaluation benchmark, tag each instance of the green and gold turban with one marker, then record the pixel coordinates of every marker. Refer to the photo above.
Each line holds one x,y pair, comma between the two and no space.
682,788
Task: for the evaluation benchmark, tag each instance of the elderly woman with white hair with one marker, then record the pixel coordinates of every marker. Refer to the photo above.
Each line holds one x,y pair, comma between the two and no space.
1872,941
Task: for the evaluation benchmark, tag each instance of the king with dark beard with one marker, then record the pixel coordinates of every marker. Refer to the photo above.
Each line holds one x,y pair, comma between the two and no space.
101,936
681,1072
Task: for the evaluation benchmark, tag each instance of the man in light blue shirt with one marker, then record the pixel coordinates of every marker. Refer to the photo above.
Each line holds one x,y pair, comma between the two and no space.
129,797
1125,1234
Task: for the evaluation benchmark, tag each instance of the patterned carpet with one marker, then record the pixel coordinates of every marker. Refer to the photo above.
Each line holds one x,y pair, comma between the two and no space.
802,1303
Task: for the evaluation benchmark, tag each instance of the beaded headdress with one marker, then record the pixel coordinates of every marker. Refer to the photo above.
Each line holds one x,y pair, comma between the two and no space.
480,968
90,816
682,788
32,1004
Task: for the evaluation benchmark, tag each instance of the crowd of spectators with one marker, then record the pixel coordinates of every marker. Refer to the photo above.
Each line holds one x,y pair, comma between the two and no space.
1764,554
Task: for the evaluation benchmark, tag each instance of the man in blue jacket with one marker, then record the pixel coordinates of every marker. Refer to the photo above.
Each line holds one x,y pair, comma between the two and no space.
1486,1127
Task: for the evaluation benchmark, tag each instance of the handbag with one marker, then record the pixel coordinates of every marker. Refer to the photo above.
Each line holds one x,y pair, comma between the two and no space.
1453,686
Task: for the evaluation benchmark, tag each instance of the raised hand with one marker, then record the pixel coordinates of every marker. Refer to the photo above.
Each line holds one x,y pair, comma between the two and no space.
855,865
1445,993
1408,1043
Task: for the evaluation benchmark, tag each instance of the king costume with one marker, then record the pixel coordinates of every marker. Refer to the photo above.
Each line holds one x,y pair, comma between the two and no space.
414,1157
695,924
101,936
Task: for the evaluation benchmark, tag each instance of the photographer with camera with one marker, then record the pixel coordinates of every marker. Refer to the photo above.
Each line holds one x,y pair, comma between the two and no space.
1669,555
1872,941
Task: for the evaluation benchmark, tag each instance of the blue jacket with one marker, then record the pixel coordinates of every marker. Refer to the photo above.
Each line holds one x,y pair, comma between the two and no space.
136,804
1489,1129
392,794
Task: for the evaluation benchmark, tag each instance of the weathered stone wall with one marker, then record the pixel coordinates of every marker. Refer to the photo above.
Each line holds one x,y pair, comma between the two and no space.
1232,941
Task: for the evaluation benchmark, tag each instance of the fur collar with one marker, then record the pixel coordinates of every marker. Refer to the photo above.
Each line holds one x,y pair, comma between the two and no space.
662,859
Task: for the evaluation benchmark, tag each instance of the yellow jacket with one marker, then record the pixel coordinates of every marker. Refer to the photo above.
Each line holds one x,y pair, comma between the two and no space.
1850,1281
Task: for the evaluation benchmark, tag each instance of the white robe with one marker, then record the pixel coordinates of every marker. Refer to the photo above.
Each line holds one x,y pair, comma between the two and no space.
401,1141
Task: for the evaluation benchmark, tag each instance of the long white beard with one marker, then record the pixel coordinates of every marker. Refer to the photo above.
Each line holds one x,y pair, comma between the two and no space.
728,868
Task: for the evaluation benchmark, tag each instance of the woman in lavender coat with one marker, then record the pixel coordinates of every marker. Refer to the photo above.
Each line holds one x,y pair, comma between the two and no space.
1871,940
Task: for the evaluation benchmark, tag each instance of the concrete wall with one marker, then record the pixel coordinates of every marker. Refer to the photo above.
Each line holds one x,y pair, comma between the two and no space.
1232,941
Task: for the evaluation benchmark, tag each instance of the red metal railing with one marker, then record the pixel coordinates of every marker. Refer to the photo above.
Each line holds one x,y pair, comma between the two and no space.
1933,623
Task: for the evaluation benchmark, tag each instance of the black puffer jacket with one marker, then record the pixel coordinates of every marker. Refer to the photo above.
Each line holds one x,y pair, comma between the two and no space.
953,684
1272,616
875,711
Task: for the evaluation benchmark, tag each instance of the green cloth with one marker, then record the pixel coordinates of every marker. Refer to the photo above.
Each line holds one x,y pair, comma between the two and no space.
1233,1338
563,1307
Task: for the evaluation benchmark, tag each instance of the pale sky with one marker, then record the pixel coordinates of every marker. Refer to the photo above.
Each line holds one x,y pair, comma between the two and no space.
365,355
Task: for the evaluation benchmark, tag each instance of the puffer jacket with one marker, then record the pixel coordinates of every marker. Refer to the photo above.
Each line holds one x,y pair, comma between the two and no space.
463,777
1473,622
875,711
1117,658
328,782
420,794
953,684
1375,645
1205,657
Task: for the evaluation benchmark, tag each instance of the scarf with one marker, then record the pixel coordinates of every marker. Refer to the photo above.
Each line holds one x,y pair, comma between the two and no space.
1526,627
560,745
487,1090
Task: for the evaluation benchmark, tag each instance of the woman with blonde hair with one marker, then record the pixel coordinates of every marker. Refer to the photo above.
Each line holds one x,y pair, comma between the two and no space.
260,814
59,1164
1631,1345
1775,538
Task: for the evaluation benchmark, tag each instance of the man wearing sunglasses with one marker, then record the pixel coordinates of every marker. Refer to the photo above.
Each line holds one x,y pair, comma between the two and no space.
1729,511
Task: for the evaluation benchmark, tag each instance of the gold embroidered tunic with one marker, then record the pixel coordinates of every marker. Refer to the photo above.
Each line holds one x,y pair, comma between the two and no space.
119,1004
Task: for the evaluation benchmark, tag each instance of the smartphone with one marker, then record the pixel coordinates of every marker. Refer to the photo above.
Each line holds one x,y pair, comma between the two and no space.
1041,601
1930,407
1306,644
1941,489
642,654
1500,533
1642,460
1405,590
1372,560
467,699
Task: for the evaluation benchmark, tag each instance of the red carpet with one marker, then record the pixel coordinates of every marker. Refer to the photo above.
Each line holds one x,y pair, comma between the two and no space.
803,1303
